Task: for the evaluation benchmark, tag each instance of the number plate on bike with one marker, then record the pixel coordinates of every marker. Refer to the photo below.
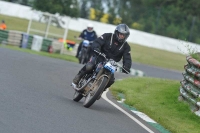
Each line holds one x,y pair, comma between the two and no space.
110,67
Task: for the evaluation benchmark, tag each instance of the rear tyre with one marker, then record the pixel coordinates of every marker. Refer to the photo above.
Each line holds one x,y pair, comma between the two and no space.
77,96
94,94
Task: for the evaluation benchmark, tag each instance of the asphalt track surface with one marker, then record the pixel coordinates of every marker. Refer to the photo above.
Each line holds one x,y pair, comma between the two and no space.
36,97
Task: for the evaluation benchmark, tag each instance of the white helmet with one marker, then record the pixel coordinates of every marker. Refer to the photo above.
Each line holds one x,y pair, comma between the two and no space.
90,27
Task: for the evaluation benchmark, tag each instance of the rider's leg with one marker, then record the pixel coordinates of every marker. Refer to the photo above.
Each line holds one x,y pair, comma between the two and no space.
86,69
78,77
90,53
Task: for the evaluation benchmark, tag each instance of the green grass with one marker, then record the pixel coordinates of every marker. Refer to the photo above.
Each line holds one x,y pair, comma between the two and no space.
19,24
159,58
158,98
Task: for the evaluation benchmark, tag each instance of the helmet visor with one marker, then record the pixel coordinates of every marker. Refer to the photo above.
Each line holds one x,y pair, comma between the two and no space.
121,36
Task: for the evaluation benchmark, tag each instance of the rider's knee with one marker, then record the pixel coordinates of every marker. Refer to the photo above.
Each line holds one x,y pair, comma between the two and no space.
89,66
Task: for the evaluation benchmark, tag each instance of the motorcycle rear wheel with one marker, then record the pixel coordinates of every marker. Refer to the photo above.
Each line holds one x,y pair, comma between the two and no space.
77,96
94,94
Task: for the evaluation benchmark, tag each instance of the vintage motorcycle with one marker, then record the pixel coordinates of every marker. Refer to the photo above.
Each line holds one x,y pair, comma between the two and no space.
92,85
84,54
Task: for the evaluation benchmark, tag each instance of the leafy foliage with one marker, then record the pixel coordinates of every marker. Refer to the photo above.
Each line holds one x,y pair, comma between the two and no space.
172,18
63,7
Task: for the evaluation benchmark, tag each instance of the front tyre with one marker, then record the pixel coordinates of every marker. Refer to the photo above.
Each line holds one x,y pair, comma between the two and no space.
77,96
83,59
94,94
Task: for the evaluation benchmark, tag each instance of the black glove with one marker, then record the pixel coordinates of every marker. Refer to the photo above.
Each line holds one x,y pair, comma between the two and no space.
125,70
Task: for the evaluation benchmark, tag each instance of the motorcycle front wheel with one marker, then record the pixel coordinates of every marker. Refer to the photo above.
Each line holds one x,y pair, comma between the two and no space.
83,59
97,90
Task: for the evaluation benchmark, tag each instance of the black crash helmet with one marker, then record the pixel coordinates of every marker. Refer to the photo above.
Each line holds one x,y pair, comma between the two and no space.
123,29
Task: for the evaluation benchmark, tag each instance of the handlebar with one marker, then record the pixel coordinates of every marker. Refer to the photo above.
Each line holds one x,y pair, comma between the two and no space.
101,54
118,65
81,39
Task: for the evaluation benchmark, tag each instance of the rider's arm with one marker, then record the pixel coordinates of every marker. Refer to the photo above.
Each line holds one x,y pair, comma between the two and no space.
99,42
127,61
82,36
95,35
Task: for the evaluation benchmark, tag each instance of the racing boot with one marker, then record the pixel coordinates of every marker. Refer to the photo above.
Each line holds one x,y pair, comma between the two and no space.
78,77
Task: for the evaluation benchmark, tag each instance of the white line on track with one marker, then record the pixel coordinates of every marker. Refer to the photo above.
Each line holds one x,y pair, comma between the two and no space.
123,111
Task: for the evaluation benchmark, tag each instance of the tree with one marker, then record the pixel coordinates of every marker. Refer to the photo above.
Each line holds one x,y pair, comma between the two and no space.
84,9
98,6
190,7
63,7
172,18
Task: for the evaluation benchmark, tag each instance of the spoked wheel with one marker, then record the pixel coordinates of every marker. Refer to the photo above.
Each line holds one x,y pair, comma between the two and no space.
82,58
77,96
94,94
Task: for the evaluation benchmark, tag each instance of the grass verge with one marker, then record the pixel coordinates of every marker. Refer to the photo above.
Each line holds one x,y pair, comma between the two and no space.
158,98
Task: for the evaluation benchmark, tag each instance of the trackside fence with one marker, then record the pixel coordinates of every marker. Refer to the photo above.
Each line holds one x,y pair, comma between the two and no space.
33,42
190,85
3,36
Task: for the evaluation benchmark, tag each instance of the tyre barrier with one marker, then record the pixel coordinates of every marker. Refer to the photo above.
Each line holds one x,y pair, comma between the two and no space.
190,85
14,38
4,36
24,40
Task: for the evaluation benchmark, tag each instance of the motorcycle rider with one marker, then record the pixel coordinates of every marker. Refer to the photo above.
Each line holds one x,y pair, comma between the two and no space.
115,47
87,34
